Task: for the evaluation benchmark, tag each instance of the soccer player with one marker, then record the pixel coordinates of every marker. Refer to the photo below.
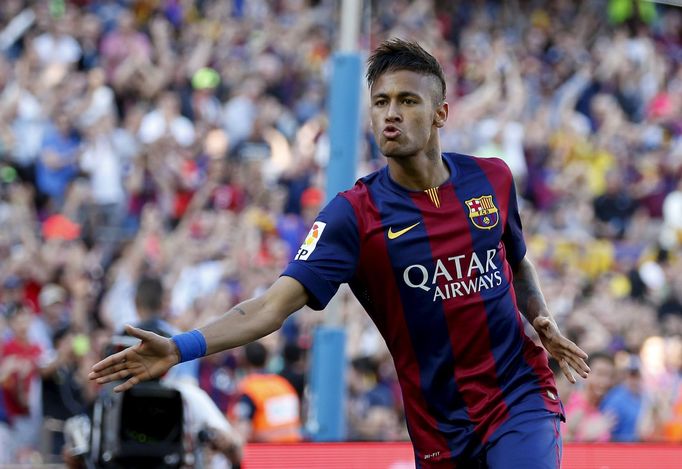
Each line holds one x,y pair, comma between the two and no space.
432,247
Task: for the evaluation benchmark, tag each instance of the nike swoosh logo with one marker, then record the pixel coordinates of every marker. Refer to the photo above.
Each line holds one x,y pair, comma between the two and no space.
395,234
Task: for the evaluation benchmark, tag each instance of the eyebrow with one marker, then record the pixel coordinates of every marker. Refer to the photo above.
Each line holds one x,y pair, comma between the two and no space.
401,94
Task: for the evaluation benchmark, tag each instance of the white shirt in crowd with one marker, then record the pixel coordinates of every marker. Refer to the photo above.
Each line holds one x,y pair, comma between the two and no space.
154,126
57,49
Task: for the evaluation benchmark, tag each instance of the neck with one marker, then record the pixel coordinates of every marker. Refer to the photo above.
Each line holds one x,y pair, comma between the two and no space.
422,171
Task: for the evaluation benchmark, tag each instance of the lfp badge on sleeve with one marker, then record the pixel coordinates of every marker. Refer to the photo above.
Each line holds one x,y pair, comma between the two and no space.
310,242
482,212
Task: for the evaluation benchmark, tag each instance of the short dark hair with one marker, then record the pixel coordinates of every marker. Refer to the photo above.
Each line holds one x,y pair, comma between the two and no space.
256,354
397,54
149,294
291,352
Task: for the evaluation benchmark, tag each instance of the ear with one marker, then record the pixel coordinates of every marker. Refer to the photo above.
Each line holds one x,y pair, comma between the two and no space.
441,114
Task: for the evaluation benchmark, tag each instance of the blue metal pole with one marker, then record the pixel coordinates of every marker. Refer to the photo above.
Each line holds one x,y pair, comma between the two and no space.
344,121
327,419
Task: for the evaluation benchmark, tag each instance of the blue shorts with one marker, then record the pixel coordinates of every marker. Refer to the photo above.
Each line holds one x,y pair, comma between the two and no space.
530,440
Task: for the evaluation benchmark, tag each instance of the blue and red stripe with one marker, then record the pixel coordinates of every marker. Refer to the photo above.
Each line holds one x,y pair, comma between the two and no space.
474,365
525,381
399,333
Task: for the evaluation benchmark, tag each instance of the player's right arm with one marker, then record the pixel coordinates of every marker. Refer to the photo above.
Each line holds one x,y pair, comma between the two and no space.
257,317
246,322
327,258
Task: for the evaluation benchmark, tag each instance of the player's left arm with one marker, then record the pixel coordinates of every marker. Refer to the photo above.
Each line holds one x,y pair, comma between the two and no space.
529,297
533,306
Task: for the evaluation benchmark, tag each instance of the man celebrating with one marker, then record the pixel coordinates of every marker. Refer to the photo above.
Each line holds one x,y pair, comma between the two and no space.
432,247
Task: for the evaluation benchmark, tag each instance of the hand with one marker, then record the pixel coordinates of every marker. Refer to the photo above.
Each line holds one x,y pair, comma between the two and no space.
151,358
563,350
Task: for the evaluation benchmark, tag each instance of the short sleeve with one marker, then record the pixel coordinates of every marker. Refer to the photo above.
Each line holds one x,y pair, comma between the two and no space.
328,256
512,237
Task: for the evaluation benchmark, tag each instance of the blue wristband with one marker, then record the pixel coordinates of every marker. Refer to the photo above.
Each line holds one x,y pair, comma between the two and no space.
190,344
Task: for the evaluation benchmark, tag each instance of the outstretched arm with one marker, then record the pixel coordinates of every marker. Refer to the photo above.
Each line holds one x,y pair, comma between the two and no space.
532,304
246,322
255,318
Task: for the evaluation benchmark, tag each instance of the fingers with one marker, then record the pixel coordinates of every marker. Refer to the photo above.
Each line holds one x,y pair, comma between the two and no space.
579,366
575,350
564,352
139,333
110,373
120,372
567,370
570,356
576,357
113,376
127,385
108,362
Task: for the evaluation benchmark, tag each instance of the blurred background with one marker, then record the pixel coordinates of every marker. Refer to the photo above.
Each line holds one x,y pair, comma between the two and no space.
162,160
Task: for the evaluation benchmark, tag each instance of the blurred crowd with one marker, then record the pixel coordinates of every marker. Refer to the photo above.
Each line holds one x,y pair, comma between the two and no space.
186,141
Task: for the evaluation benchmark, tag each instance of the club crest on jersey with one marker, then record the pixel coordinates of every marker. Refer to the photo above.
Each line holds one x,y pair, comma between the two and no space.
482,212
311,240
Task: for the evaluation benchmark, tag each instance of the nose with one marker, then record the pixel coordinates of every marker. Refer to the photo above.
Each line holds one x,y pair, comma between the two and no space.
393,112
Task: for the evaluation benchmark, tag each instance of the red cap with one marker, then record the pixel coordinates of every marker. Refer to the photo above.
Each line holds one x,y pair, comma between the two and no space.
58,226
312,196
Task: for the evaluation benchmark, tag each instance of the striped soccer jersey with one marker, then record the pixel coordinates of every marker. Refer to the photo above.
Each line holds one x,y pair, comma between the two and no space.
433,269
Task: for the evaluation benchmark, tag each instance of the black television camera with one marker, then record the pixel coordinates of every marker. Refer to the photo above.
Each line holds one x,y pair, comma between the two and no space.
139,428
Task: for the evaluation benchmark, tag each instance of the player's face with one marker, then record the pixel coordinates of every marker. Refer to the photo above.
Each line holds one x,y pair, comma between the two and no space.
406,111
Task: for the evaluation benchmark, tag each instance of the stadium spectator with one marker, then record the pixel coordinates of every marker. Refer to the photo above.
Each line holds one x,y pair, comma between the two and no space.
19,378
586,419
63,393
150,303
613,209
624,402
57,164
268,409
294,367
56,45
55,316
124,50
371,403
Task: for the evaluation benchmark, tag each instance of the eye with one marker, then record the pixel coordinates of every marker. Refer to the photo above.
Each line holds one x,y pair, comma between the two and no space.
380,102
409,101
